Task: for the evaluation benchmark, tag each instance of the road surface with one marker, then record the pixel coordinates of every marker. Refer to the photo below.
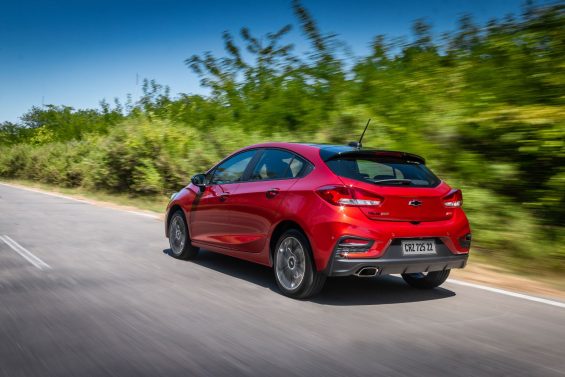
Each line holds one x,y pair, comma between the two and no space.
92,291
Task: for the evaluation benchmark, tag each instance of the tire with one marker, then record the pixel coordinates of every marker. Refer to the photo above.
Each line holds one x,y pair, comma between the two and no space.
426,281
294,268
179,239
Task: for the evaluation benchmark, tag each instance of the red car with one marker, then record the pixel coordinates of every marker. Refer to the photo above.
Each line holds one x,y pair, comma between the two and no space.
312,211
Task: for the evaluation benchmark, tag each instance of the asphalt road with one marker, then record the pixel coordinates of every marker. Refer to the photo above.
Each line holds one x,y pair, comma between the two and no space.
109,300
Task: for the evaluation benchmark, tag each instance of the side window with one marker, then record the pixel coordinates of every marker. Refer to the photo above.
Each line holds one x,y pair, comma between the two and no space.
296,166
277,164
232,169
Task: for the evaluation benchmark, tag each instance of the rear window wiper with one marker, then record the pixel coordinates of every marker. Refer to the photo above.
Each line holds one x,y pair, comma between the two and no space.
392,180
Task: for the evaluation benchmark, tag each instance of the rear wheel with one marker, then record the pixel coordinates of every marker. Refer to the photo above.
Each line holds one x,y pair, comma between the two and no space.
295,272
179,240
427,280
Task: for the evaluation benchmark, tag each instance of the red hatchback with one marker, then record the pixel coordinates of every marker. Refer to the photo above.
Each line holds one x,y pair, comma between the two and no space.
312,211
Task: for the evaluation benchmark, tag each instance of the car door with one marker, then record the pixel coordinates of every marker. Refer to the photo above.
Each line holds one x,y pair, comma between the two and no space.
255,203
210,219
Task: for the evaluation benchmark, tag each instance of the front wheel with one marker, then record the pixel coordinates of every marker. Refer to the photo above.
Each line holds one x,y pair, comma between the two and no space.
295,272
427,280
179,240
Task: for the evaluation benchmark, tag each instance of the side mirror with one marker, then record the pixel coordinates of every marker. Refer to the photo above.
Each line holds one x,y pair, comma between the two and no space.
199,180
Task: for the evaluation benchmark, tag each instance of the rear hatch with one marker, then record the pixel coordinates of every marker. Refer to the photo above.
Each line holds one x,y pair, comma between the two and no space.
409,190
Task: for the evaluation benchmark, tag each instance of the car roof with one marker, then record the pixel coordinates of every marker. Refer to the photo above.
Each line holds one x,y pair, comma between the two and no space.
331,151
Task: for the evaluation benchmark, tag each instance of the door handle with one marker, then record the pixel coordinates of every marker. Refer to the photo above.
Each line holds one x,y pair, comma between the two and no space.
224,196
272,193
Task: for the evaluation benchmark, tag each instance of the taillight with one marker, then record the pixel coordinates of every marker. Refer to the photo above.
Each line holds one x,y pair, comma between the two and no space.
453,199
349,196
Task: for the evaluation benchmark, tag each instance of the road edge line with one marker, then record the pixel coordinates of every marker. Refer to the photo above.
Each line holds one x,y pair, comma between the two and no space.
508,293
85,201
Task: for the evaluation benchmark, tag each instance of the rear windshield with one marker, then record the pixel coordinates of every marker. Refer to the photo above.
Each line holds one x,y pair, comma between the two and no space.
385,172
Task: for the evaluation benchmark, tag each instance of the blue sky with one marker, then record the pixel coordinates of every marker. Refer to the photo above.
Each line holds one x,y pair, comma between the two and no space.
79,52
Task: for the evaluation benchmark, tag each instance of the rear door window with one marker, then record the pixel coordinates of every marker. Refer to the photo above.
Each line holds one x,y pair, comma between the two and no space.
277,164
385,172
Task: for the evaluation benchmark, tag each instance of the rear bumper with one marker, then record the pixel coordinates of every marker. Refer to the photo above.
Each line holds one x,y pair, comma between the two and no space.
393,262
346,267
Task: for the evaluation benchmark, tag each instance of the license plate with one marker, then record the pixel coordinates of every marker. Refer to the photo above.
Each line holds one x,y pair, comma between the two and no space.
420,247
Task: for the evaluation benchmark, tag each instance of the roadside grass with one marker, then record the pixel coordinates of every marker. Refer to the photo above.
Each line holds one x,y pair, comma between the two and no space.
486,266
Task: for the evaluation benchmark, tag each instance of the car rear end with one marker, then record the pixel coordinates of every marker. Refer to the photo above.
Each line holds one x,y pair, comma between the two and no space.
387,213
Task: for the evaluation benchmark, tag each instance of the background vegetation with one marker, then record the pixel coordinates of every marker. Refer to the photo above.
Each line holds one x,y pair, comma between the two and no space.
483,104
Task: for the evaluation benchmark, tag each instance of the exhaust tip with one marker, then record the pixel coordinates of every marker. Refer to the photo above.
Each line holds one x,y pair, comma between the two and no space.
367,272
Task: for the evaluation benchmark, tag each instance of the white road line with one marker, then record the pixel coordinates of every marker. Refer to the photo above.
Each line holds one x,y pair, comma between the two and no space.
508,293
45,193
61,196
144,214
24,253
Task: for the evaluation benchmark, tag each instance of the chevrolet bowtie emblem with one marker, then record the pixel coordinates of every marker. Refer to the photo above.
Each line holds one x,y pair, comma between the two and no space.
415,203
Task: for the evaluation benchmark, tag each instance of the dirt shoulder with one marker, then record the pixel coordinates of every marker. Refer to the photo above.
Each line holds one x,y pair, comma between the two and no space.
477,271
494,276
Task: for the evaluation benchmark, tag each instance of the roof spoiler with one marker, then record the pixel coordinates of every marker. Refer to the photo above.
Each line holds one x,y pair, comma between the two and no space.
376,153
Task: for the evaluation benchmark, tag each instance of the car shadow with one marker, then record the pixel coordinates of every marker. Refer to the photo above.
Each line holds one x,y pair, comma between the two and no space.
338,291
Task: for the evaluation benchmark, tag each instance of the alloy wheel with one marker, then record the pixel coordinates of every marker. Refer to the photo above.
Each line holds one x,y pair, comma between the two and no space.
290,264
177,235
